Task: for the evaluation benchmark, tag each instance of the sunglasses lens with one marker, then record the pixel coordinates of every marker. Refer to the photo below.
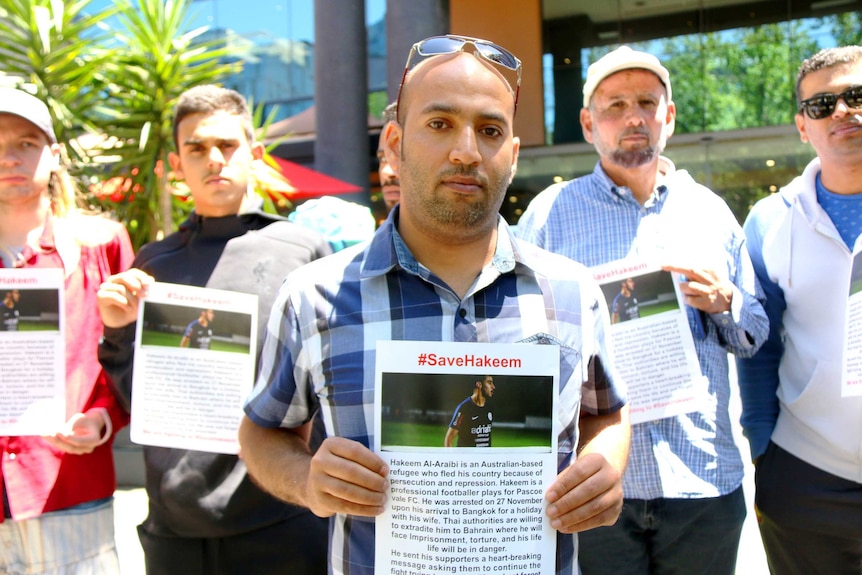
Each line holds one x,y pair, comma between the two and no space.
820,107
448,45
497,55
853,97
439,45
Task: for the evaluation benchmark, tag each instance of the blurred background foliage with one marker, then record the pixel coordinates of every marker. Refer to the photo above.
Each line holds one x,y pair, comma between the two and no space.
111,78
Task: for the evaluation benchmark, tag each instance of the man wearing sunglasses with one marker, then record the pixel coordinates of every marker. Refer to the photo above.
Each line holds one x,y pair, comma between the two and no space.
684,505
444,266
805,434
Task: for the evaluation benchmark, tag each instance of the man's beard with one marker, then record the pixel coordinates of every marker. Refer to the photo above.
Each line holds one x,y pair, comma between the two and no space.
634,158
449,214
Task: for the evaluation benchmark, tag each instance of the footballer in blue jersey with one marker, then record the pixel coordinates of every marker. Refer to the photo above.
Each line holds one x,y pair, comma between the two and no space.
625,306
199,333
473,418
8,314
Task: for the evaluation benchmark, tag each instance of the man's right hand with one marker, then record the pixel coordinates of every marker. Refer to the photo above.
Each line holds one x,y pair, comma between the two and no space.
346,477
119,295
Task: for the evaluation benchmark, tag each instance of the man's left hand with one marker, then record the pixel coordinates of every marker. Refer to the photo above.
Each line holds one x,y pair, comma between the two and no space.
704,289
83,433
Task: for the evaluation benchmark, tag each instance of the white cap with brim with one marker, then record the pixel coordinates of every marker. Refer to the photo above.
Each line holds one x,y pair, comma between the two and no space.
32,109
623,58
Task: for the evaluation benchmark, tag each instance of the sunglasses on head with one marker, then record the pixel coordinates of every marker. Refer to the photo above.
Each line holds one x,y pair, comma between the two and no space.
822,105
451,44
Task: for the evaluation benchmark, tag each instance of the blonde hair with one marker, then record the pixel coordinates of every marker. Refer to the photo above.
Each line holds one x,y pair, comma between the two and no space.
85,225
63,193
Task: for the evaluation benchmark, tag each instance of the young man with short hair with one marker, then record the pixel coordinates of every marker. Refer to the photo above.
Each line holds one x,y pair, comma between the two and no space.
205,515
472,421
805,435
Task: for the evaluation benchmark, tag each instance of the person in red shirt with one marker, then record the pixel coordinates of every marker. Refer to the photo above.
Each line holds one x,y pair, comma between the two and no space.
57,491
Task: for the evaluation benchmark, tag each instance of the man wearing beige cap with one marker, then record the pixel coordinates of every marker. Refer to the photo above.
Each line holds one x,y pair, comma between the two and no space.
684,505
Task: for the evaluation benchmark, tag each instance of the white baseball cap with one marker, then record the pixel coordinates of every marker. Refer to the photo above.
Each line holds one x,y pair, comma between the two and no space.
623,58
31,108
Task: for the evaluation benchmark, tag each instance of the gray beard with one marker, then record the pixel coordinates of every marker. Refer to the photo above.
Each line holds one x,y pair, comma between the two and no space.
634,158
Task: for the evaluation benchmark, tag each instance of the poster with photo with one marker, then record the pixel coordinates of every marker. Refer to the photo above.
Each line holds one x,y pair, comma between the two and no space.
32,351
851,378
653,346
470,434
194,366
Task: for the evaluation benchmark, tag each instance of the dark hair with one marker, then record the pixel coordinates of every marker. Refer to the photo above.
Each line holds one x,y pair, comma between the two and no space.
827,58
208,99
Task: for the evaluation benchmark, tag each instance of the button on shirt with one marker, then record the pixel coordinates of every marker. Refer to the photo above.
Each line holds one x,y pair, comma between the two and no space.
594,221
334,311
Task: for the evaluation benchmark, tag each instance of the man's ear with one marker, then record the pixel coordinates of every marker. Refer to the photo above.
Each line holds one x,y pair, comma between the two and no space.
176,165
670,119
392,138
800,125
587,125
516,148
257,150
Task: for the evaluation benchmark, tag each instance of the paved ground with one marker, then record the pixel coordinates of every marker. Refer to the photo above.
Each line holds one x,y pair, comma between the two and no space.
131,508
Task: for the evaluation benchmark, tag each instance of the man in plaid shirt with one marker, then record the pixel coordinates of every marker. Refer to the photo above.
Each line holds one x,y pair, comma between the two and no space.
443,267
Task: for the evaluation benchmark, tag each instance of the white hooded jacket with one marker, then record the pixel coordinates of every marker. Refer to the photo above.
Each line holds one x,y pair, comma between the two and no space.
804,268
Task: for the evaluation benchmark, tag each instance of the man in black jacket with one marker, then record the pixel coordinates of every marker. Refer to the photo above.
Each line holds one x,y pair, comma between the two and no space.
205,514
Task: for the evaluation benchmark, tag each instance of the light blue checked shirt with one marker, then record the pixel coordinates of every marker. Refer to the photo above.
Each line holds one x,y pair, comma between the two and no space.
320,345
594,221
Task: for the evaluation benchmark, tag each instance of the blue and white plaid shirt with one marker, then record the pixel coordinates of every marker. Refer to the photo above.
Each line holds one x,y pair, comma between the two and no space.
594,221
320,345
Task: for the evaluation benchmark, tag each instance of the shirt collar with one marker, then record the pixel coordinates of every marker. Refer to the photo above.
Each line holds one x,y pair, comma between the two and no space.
47,242
388,250
667,169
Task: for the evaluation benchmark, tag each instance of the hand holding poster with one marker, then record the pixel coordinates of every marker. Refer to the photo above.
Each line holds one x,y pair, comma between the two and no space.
194,366
470,435
653,345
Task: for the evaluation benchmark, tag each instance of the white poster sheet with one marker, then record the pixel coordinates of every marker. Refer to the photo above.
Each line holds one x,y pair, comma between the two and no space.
463,509
194,366
653,346
32,351
851,376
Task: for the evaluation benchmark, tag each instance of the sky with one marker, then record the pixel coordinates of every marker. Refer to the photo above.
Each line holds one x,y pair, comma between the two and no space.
293,19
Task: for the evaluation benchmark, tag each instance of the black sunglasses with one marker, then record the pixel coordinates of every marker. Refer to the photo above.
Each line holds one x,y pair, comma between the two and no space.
450,44
822,105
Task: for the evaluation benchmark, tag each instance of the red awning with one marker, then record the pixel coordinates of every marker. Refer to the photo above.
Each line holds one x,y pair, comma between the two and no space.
307,183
